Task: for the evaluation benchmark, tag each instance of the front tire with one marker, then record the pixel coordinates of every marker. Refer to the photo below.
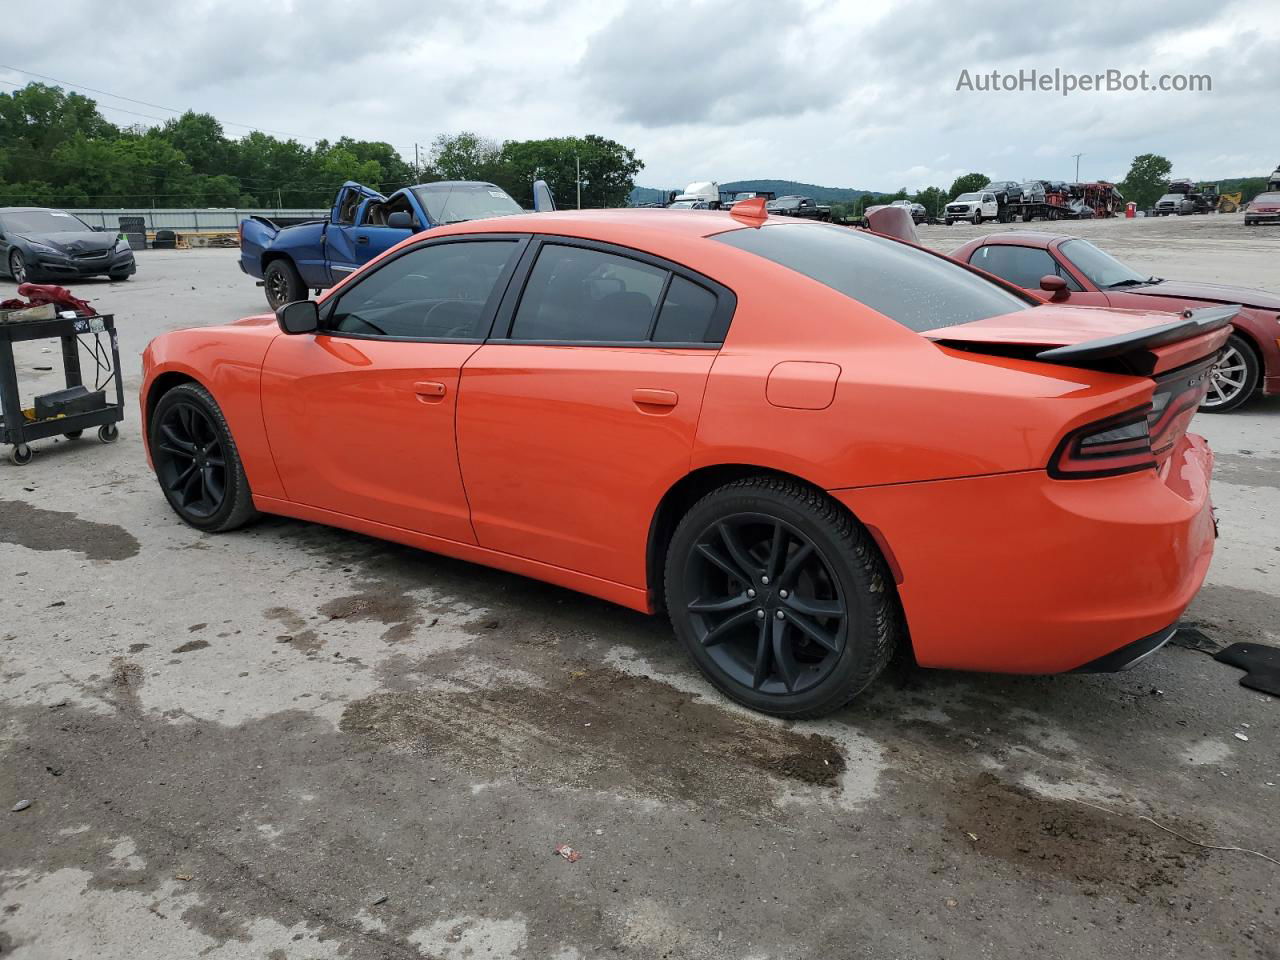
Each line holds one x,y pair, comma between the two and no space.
197,462
976,219
780,597
18,267
282,284
1234,378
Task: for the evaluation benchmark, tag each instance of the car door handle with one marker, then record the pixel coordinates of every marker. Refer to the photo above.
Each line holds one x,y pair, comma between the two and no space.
430,391
362,239
645,397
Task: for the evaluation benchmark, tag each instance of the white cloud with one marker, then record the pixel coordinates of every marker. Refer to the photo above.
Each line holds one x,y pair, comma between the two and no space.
839,93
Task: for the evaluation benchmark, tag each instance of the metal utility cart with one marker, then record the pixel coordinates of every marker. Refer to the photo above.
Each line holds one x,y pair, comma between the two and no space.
19,428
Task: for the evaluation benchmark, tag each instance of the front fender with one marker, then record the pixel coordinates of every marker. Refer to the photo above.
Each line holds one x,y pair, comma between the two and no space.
226,361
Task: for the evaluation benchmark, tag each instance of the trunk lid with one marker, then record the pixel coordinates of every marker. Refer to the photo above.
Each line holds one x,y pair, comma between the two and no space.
1176,351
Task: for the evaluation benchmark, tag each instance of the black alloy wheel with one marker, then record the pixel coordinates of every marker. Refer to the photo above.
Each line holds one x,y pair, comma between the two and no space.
780,596
190,460
766,606
196,460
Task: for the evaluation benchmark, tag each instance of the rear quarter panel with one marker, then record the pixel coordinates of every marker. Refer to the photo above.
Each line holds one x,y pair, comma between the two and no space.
227,361
304,245
904,408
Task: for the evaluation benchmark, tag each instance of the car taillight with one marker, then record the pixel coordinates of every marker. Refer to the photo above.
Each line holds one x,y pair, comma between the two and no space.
1105,448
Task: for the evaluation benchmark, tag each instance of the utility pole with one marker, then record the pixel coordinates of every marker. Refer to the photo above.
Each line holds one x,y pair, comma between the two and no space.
1077,156
417,171
577,175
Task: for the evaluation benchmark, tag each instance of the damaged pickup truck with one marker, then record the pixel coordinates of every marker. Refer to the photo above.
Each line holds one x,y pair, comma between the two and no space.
362,224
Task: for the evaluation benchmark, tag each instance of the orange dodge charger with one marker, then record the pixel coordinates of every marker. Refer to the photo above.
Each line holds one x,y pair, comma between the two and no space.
809,444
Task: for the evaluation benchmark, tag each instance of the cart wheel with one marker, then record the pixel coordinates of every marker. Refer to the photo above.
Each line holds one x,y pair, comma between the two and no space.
108,433
21,454
74,434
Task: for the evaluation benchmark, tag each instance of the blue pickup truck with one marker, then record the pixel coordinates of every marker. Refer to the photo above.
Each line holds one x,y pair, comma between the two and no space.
362,224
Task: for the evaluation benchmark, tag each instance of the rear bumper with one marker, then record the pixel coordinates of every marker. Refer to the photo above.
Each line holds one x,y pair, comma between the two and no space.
1020,573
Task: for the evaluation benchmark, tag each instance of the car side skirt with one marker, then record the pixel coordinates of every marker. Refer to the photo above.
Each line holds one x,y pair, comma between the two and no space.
635,598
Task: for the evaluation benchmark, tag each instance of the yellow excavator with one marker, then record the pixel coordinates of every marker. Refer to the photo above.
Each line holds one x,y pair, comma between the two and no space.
1229,202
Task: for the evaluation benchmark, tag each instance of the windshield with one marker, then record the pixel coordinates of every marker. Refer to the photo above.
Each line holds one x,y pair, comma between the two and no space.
455,202
968,196
1101,268
684,204
43,221
918,289
1267,198
783,203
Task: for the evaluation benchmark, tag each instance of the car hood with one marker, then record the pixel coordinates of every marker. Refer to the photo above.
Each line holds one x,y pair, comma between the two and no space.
1209,293
85,241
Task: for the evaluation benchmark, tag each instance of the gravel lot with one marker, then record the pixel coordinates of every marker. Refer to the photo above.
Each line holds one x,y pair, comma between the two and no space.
294,742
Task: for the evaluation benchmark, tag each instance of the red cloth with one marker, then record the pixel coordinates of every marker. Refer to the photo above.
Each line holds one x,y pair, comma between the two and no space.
41,293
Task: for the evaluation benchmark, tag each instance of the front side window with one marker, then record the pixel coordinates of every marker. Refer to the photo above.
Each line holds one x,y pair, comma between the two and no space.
1021,266
580,295
919,290
436,292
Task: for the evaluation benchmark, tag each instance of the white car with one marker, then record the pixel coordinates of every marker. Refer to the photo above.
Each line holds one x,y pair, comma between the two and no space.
974,207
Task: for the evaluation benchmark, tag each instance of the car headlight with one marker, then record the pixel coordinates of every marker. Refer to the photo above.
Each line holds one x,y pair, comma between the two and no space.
44,248
122,243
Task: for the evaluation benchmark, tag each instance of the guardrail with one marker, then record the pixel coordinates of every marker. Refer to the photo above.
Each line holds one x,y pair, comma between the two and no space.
189,220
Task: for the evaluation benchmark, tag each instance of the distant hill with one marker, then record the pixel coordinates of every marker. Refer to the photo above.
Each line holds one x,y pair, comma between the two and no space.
780,187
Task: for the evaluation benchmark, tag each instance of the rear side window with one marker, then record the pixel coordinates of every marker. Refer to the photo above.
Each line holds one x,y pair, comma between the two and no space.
687,313
577,294
917,289
1021,266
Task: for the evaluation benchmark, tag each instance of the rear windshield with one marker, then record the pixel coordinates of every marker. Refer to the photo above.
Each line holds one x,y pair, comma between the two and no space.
917,289
455,202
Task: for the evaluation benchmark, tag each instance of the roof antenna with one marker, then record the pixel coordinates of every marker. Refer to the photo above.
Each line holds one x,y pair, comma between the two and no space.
751,212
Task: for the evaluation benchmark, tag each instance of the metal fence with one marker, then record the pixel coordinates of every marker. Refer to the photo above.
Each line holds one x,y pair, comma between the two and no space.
187,220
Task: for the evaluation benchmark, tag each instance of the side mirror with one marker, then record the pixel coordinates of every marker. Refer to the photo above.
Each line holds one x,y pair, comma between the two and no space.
301,316
1055,286
400,221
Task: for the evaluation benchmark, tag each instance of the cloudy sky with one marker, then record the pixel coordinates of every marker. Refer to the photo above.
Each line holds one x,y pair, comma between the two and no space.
856,94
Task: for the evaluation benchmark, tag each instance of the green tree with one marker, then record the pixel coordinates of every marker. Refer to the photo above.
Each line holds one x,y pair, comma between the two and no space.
967,184
608,170
1146,180
464,156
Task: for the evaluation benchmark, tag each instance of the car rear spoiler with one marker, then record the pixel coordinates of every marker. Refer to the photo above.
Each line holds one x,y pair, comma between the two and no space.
1142,343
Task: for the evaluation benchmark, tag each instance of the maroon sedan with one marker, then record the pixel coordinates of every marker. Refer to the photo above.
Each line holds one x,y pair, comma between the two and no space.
1063,268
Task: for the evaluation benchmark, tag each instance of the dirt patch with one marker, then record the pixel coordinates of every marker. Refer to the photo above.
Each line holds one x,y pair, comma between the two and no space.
125,680
39,529
603,729
191,645
396,609
1091,848
300,636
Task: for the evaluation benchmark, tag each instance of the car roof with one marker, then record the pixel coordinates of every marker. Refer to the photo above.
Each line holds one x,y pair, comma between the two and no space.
1023,238
605,225
23,209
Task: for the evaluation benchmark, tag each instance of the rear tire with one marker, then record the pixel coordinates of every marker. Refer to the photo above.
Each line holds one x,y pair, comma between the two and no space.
780,597
282,284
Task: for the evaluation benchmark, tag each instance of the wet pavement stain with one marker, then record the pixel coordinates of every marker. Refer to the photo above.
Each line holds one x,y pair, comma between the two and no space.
603,729
1093,849
36,528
